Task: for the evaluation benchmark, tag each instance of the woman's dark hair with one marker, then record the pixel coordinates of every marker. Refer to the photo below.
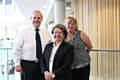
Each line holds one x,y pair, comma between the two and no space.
62,27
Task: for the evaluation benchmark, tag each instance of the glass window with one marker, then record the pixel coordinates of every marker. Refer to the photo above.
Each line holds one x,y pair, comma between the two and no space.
8,2
0,1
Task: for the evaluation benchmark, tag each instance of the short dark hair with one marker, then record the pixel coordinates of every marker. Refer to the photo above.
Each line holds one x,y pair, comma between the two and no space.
62,27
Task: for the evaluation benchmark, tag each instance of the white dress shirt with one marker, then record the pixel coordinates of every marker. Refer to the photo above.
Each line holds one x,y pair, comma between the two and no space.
25,44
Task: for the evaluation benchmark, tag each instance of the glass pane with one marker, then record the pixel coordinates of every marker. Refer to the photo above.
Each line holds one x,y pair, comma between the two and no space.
0,1
8,2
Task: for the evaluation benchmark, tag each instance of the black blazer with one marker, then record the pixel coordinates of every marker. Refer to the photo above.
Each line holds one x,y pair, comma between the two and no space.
62,60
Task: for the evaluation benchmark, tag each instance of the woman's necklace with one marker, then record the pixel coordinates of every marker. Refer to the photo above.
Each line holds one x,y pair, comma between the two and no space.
69,38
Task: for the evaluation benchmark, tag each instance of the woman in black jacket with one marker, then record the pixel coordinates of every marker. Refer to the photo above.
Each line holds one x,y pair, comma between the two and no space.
58,56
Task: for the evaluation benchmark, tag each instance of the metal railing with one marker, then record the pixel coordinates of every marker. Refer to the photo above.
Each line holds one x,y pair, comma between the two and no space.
6,56
107,50
6,64
105,64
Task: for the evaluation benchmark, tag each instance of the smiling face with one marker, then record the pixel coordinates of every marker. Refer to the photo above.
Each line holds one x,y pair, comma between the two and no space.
36,18
58,35
71,25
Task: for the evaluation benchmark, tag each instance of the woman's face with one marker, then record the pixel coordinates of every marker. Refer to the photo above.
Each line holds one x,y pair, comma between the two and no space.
58,35
70,25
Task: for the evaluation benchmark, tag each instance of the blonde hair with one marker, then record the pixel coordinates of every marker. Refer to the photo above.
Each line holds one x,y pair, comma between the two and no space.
71,18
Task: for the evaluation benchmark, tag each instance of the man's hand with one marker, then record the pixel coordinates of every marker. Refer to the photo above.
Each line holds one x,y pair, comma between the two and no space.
18,68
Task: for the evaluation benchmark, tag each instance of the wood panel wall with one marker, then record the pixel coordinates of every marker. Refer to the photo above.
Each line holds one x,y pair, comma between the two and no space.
100,19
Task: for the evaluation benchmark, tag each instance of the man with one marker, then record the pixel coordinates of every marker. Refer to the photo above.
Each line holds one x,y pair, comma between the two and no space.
25,58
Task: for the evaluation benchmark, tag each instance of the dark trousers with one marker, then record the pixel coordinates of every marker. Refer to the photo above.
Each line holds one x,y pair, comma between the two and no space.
31,71
81,73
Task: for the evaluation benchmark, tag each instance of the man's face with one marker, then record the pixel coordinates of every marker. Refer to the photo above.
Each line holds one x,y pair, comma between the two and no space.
36,19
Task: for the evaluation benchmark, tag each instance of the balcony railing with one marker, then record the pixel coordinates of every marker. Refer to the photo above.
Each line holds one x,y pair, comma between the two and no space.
6,64
105,64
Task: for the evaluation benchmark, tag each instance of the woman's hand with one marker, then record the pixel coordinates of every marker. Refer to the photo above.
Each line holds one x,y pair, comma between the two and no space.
48,75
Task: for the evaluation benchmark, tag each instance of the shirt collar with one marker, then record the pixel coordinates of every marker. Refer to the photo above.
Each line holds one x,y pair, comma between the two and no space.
57,44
